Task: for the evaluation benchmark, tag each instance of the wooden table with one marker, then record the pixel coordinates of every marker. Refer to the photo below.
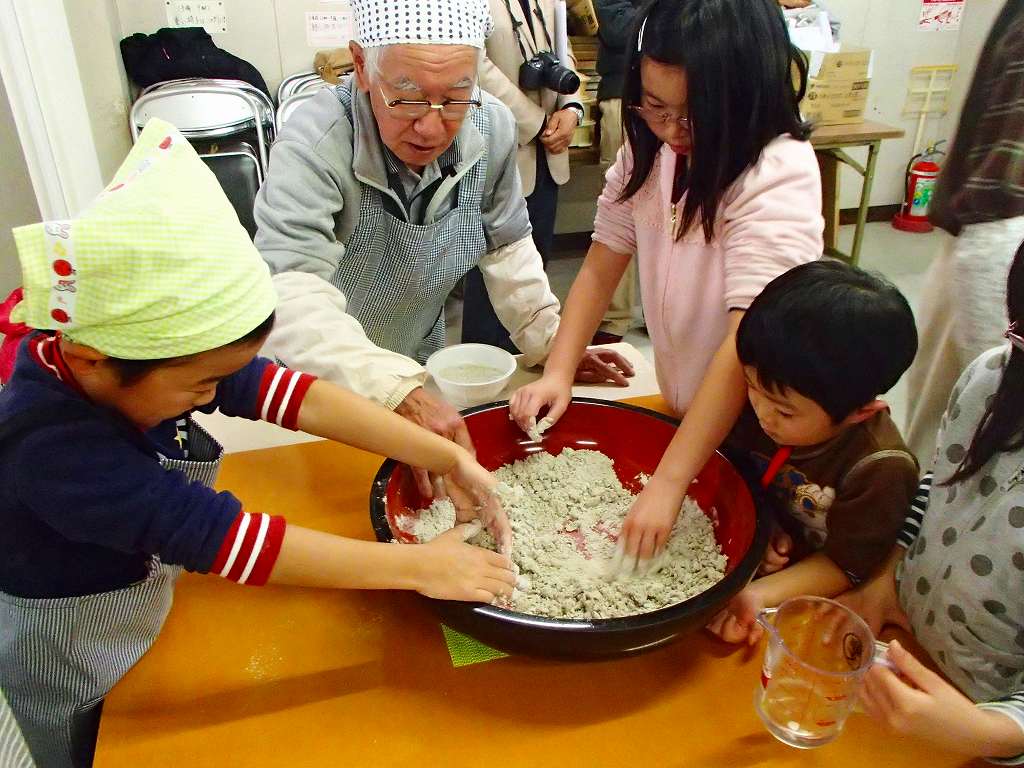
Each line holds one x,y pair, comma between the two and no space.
302,677
830,143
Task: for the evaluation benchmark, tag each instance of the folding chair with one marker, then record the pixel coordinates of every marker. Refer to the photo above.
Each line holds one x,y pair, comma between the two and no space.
206,111
238,170
290,83
289,105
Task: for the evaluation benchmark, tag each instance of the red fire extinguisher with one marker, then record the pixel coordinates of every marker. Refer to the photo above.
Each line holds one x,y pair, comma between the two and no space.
922,171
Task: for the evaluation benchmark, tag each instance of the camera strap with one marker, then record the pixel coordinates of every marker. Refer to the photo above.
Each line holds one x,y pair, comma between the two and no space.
516,25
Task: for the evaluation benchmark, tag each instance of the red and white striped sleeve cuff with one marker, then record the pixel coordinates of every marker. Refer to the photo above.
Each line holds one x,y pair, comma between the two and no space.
281,394
249,551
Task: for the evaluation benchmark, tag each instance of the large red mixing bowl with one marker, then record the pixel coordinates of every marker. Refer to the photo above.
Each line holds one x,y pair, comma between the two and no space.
635,438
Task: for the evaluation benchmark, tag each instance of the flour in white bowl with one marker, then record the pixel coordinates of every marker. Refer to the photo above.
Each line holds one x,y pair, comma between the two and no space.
566,512
471,373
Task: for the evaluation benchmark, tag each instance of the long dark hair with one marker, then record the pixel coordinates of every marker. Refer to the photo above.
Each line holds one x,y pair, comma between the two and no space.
740,70
1002,426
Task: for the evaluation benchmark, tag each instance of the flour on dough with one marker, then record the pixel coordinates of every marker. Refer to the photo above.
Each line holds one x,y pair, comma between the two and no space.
566,512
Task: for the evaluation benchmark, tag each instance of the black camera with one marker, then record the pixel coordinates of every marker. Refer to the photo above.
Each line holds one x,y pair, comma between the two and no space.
545,71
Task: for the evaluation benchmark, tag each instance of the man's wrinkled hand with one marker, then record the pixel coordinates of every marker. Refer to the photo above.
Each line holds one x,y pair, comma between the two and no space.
440,417
559,130
599,366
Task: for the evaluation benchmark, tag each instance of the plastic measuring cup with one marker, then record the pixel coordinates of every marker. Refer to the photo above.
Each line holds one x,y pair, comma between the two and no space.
817,655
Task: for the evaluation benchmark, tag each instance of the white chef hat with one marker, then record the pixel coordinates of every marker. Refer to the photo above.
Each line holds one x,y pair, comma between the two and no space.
425,22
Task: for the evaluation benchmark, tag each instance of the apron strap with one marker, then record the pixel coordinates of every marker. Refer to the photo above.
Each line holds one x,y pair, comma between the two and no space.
427,193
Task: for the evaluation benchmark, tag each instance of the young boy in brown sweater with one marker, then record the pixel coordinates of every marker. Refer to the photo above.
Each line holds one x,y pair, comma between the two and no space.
817,347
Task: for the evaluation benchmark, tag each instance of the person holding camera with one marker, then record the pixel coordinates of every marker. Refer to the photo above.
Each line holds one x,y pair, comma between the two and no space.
521,69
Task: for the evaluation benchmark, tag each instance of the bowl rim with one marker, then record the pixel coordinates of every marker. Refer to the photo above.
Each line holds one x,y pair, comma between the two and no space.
714,595
511,369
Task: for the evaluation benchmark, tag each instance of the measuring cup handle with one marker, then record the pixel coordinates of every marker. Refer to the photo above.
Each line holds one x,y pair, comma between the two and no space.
881,657
763,617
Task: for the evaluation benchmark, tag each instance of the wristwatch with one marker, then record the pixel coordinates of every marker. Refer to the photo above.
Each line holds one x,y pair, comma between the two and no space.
580,114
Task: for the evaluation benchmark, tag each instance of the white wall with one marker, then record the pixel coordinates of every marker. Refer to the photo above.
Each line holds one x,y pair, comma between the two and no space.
889,28
95,33
271,35
18,201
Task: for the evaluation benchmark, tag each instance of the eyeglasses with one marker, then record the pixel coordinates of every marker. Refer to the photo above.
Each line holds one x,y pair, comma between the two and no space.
660,117
410,109
1013,334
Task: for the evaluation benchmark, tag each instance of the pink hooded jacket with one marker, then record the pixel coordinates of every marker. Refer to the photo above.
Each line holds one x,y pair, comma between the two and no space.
769,221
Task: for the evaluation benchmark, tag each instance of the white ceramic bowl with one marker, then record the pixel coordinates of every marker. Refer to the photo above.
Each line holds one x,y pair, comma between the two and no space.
471,374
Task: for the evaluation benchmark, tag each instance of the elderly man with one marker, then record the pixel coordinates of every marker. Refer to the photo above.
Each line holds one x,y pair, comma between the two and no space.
382,193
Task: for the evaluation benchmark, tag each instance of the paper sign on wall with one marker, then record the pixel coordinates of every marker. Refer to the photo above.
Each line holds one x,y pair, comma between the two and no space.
211,16
940,15
330,29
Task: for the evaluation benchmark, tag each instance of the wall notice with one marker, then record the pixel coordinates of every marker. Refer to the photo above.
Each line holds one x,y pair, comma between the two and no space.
211,16
330,29
940,15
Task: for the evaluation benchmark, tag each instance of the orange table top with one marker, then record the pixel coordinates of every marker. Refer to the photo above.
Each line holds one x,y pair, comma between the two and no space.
302,677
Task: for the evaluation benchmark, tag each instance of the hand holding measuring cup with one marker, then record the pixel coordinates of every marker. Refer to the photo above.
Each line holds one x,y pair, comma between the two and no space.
811,678
922,704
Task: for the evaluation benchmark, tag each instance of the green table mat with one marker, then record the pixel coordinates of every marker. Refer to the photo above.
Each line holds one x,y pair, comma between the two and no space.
464,650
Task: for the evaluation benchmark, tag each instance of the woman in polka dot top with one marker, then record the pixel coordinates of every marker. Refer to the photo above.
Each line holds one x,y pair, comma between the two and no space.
957,578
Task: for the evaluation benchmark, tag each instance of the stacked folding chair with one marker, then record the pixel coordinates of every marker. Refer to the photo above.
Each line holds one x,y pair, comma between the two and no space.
223,118
299,82
294,91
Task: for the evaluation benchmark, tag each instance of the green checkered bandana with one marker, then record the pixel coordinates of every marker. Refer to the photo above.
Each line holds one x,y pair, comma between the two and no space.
157,267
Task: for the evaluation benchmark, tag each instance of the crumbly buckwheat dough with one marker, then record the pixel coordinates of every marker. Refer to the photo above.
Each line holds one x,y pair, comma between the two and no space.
566,512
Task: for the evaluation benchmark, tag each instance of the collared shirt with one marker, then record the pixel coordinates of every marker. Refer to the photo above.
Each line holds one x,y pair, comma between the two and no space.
417,190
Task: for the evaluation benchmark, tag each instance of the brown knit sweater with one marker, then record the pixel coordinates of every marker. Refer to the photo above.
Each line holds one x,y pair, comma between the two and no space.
983,178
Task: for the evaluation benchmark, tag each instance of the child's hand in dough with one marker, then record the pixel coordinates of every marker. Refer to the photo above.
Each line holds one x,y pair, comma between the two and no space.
472,491
447,568
647,527
527,402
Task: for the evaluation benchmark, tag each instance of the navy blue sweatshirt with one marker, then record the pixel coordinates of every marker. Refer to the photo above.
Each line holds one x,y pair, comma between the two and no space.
86,502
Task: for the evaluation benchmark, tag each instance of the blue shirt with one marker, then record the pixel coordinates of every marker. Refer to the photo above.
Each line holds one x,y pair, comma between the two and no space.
86,502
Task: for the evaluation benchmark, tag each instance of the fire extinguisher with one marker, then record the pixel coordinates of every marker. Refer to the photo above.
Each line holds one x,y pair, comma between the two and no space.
922,171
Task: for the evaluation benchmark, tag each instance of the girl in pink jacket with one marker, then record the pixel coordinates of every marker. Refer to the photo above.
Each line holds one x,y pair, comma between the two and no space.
716,192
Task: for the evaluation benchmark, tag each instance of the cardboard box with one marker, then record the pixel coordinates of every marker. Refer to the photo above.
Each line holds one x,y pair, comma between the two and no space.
848,63
835,102
582,18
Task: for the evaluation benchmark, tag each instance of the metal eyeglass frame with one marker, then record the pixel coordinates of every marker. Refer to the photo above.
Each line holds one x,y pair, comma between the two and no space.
662,118
426,106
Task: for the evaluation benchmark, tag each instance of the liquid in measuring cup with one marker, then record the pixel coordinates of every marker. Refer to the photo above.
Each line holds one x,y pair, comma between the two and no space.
799,711
810,678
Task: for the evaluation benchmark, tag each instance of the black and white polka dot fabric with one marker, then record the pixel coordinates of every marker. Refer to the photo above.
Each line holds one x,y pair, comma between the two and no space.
425,22
962,579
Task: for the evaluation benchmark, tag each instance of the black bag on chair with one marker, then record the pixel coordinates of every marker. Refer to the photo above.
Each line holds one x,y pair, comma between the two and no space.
170,54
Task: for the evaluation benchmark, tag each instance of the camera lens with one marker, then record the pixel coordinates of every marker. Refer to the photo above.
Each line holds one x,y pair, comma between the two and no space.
562,80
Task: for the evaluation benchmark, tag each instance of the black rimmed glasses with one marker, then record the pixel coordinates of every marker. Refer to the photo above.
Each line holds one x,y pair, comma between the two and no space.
413,109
